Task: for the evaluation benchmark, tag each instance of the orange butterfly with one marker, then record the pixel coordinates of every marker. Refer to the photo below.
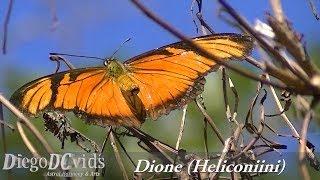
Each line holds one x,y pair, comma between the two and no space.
148,85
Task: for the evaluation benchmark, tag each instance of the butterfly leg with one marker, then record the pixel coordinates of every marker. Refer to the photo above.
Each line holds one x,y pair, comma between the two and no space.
60,126
153,145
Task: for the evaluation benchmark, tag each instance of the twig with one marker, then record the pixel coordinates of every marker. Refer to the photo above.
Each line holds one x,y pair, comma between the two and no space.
280,109
3,134
117,155
154,145
236,100
26,141
248,119
4,123
225,93
302,148
205,136
27,123
277,10
232,23
204,25
182,124
258,132
314,9
294,132
53,9
5,27
103,147
254,62
262,42
225,150
202,51
125,151
211,122
282,75
291,40
236,136
3,137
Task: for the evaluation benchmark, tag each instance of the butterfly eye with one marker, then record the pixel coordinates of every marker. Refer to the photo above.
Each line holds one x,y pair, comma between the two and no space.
106,62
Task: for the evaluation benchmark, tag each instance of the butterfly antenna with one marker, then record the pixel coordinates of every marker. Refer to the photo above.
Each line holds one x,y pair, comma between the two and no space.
123,43
72,55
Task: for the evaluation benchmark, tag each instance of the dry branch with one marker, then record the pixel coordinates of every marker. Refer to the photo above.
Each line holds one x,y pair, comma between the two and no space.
27,123
5,27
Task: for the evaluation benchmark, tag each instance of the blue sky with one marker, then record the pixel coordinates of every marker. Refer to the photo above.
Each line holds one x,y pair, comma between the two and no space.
97,29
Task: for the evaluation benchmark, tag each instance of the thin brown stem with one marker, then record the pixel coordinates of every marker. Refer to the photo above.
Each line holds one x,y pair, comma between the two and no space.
155,146
205,138
27,123
293,130
302,148
125,151
3,137
211,122
53,9
103,147
3,134
26,141
5,27
3,123
256,63
117,155
225,150
314,9
277,10
182,124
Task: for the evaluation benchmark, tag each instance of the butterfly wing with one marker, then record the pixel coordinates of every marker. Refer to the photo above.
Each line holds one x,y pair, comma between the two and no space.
88,92
167,78
171,76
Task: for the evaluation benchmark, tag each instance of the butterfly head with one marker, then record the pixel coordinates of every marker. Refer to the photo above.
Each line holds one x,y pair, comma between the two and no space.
114,67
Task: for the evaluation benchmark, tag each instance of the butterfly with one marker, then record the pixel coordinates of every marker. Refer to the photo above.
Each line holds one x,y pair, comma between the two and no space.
125,94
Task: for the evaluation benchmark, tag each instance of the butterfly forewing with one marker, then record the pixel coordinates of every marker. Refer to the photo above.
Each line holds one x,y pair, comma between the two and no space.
171,76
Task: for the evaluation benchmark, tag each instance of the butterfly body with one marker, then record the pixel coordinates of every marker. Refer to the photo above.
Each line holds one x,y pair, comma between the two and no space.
148,85
114,68
120,74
